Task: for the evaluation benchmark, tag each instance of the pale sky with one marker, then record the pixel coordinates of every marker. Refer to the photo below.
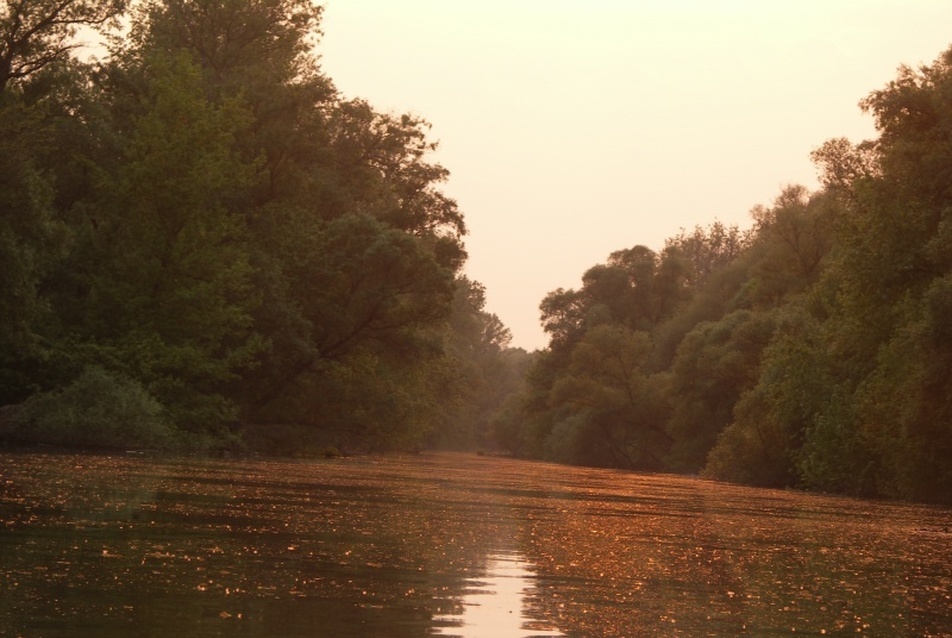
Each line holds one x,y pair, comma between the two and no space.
574,128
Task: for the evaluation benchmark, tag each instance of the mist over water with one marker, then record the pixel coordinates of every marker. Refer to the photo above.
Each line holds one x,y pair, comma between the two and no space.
450,545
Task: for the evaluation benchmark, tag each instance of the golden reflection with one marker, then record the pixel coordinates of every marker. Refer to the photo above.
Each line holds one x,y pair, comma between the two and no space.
398,547
496,603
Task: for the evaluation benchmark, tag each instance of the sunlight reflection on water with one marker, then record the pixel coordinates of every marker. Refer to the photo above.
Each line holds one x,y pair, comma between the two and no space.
448,544
494,605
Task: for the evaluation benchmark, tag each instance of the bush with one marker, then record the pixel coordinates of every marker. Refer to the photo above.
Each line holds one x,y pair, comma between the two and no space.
98,409
756,448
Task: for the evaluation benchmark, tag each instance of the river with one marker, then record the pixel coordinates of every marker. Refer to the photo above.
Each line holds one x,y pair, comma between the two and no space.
450,545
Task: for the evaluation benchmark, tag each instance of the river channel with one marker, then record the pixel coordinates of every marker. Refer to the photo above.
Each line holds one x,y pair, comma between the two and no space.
450,545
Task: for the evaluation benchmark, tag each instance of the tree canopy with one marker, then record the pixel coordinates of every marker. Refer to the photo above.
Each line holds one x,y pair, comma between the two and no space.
811,351
201,224
205,245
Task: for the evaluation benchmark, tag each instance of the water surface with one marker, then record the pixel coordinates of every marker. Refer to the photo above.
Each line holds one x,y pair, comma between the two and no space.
450,545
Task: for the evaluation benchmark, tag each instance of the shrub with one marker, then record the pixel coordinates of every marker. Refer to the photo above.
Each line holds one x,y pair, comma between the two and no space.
98,409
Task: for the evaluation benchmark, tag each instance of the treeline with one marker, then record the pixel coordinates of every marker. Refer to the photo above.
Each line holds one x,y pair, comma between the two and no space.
203,244
814,350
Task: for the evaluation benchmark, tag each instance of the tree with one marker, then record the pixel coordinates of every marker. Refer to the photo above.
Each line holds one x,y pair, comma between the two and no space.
708,250
31,242
813,351
610,409
851,392
563,316
161,276
383,160
354,250
716,364
202,218
365,290
261,53
760,445
579,411
34,34
481,371
894,260
792,241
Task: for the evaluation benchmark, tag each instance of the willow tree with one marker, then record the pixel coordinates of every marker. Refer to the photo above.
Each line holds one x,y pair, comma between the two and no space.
244,244
890,313
35,34
853,391
37,83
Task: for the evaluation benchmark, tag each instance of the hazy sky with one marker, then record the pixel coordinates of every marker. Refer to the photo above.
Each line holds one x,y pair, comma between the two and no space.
576,128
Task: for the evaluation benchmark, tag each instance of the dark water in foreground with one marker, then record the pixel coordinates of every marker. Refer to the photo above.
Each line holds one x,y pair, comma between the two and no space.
450,545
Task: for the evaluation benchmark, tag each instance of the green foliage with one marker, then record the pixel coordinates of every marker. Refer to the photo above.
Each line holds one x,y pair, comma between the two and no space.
382,159
858,396
164,278
758,446
372,282
813,351
754,449
201,233
600,394
890,273
205,216
31,242
716,363
39,33
793,241
98,409
706,251
480,372
607,394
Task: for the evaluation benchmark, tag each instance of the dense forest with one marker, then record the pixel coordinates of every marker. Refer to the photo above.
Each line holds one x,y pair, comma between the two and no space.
814,350
204,245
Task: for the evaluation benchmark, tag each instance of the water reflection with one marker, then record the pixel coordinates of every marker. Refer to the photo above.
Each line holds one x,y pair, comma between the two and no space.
497,604
397,547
